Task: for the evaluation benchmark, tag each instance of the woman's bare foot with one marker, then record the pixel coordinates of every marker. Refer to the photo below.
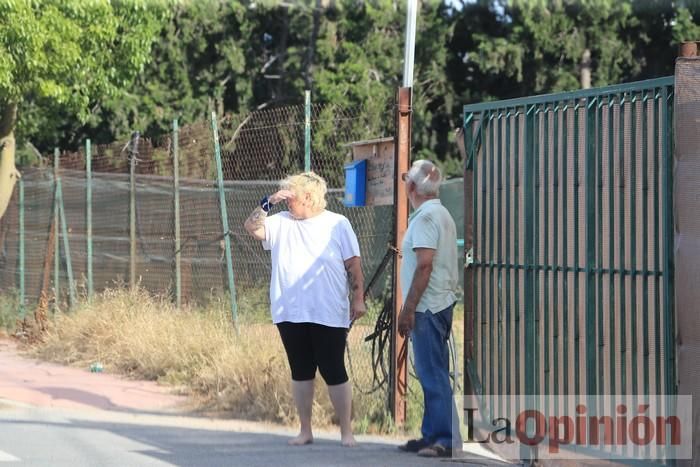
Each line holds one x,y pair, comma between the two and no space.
301,439
348,441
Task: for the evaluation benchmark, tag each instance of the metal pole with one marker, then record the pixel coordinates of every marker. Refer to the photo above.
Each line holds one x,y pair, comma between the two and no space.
307,131
465,141
21,249
176,209
224,218
411,16
56,250
399,344
88,215
133,156
66,245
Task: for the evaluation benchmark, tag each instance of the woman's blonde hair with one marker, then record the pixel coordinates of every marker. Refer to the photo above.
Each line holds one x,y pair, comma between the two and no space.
307,182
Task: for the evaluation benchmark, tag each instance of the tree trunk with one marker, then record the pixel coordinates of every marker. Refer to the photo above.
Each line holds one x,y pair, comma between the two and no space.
586,69
8,171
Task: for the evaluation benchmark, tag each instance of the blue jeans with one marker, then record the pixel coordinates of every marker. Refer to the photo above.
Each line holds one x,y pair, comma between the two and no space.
431,360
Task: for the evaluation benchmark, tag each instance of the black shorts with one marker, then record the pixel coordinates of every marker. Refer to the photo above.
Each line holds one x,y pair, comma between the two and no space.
310,346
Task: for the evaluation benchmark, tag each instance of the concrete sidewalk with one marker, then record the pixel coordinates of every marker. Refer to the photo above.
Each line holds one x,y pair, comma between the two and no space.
44,384
146,412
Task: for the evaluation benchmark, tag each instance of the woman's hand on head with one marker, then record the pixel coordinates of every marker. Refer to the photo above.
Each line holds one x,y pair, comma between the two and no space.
281,195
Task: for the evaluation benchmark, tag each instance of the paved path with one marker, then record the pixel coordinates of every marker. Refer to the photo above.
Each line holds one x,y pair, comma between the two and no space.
59,416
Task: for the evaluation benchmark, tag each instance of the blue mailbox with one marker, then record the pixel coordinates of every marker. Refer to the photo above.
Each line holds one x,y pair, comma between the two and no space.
355,180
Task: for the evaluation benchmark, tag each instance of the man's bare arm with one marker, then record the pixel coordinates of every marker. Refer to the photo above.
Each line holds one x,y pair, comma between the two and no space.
424,267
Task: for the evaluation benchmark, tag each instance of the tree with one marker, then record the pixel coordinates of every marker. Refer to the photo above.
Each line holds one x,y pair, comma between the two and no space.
65,54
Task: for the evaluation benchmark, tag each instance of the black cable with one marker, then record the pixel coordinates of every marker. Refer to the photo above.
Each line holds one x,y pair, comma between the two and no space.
381,335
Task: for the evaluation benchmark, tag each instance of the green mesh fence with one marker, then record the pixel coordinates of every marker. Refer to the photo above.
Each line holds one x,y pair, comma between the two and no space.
257,150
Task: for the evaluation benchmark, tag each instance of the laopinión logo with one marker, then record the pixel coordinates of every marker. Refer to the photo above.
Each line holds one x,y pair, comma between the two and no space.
578,427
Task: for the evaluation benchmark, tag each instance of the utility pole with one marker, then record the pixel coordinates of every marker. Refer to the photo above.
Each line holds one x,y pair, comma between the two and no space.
404,118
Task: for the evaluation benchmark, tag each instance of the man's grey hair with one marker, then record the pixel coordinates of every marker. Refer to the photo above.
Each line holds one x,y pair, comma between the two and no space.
426,176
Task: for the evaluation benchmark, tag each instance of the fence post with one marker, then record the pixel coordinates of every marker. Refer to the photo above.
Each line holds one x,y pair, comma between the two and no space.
307,131
66,245
21,249
88,216
133,156
224,218
176,208
399,345
56,250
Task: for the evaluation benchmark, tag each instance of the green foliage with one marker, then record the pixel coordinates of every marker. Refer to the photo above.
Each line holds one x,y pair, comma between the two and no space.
58,58
543,44
75,61
684,27
68,52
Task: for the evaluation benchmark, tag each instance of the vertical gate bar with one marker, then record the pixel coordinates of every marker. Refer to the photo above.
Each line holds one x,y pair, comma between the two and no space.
667,187
633,260
599,131
590,338
492,193
475,270
657,260
565,247
499,250
536,142
516,248
555,253
611,232
645,239
633,244
621,245
508,272
486,122
530,373
577,259
622,250
470,383
528,248
545,275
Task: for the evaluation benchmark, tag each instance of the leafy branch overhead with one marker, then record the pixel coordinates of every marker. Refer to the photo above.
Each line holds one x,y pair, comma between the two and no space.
102,69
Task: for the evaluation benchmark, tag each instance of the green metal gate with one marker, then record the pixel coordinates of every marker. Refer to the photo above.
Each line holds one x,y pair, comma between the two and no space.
569,234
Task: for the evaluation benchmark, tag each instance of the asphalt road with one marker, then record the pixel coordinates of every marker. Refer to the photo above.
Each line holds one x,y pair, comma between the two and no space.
49,436
55,416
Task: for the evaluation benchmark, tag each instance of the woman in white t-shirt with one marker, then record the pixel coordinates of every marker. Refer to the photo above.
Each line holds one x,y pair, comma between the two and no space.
315,268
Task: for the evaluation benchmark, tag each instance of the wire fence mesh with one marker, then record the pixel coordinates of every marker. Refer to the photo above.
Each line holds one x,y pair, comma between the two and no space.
131,236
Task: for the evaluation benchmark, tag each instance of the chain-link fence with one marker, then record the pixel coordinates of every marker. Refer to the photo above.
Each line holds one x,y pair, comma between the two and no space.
119,212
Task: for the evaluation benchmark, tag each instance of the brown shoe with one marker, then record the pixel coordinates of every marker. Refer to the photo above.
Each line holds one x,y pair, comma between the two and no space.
414,445
435,450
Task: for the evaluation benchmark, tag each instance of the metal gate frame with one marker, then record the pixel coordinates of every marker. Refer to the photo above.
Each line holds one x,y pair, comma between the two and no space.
569,279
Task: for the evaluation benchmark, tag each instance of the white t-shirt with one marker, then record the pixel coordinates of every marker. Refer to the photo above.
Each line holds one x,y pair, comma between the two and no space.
431,226
309,283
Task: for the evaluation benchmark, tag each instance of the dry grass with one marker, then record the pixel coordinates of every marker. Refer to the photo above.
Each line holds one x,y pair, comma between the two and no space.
244,374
